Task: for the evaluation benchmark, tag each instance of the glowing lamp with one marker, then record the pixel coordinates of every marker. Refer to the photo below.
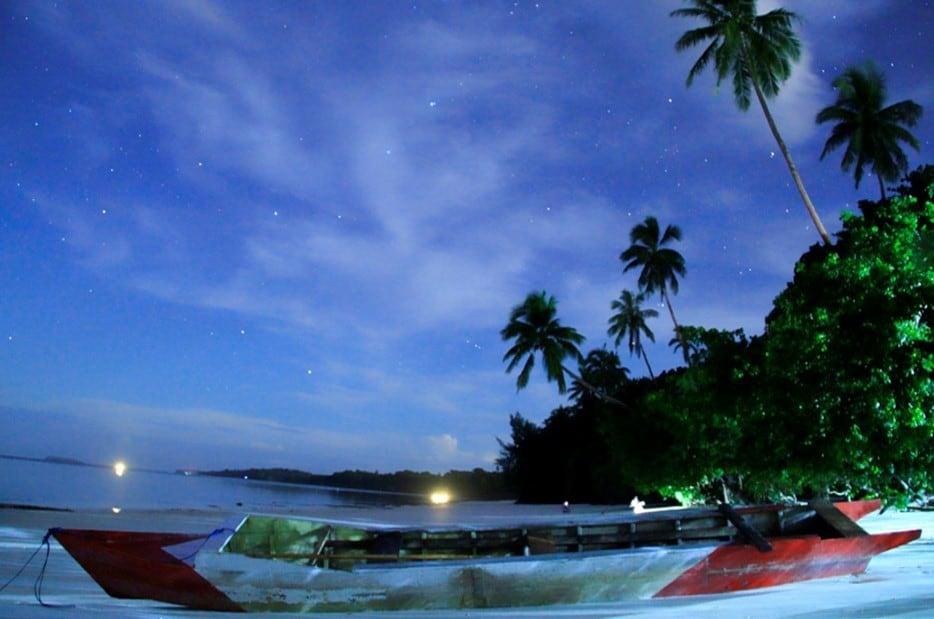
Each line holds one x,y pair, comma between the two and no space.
119,468
440,497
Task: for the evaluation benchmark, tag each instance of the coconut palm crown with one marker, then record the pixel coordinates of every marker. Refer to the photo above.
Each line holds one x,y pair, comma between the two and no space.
755,51
629,319
536,330
870,131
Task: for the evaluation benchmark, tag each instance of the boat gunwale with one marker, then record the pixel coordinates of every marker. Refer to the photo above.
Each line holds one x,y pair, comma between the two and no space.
626,516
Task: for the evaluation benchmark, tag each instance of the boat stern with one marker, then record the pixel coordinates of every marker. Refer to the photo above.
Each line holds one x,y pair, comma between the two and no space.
136,566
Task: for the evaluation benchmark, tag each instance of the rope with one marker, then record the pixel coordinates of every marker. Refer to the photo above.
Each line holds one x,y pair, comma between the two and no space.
40,578
205,541
37,585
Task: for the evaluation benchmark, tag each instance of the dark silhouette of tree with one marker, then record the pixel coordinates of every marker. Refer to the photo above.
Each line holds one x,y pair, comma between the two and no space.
660,265
871,132
629,319
602,369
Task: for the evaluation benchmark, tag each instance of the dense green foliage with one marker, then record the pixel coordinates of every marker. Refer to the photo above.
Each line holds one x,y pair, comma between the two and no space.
837,396
849,356
870,131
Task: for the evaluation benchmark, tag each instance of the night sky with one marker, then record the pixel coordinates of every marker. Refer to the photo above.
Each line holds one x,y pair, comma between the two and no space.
288,234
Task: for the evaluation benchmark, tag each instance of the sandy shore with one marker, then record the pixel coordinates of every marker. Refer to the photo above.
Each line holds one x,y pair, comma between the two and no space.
898,584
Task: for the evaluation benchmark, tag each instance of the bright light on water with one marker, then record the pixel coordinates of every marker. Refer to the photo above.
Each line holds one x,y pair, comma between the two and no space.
119,468
440,497
115,510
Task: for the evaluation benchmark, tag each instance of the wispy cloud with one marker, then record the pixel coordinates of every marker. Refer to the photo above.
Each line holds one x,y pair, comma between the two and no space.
214,438
365,194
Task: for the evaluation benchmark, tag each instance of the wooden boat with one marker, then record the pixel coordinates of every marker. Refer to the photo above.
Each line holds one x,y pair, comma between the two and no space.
271,563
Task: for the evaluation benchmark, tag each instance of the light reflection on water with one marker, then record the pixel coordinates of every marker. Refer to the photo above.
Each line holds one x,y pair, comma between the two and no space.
81,487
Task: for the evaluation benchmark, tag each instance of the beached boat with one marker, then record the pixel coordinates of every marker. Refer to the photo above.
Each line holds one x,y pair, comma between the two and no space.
272,563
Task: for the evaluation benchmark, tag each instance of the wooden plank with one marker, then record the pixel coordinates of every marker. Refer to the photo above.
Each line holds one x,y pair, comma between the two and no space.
752,536
837,520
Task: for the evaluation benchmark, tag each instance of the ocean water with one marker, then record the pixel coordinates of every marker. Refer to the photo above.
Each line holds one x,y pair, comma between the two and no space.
50,484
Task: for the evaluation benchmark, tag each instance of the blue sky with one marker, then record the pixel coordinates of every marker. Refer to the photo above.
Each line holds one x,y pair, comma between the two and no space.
287,234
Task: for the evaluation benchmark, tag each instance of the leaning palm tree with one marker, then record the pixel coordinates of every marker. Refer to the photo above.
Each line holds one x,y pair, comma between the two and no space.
756,52
535,327
661,266
629,319
871,132
602,369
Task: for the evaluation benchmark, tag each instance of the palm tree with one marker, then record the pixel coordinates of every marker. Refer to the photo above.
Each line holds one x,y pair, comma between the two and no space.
535,327
757,52
536,330
601,368
871,132
630,319
661,266
678,344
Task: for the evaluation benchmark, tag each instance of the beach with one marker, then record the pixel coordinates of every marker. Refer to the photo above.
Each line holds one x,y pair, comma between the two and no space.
899,583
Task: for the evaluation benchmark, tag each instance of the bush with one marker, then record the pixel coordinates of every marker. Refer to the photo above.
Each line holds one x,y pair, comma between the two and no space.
849,360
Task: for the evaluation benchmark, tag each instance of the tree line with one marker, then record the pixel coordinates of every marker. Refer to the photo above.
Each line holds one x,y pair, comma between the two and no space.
837,394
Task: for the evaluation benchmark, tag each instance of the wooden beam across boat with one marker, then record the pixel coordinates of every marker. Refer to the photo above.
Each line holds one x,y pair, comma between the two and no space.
752,536
837,520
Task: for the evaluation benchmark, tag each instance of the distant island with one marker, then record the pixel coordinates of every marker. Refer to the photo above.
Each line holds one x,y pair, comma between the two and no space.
53,460
475,485
75,462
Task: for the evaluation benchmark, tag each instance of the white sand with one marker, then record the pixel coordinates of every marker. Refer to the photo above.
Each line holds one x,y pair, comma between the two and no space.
899,583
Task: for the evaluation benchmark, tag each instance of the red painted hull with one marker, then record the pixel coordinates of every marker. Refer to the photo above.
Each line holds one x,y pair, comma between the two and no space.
855,510
134,565
737,567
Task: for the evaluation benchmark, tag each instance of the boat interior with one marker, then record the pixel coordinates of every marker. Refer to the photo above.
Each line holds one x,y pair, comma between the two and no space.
337,546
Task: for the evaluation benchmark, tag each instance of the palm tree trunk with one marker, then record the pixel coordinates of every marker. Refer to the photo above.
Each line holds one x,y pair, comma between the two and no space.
821,230
646,359
881,186
671,310
594,390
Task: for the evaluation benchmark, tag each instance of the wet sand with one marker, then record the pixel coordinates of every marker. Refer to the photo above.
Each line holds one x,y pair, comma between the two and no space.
899,583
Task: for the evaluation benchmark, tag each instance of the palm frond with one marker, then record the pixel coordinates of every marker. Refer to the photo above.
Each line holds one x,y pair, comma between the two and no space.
698,35
903,135
526,372
703,61
905,112
840,134
672,233
834,112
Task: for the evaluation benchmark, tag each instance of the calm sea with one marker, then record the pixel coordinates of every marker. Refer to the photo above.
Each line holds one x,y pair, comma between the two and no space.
82,487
